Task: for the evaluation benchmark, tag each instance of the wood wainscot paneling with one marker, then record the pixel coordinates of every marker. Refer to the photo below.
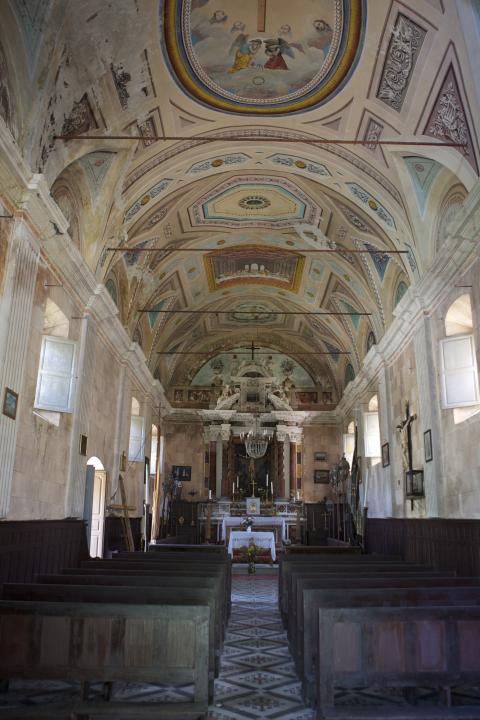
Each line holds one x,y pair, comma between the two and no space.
32,547
443,544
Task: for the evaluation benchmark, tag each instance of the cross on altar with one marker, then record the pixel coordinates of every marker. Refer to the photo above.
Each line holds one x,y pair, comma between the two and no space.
261,15
253,483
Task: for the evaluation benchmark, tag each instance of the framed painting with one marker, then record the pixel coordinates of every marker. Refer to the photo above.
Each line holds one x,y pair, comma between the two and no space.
10,403
427,444
385,455
321,477
320,456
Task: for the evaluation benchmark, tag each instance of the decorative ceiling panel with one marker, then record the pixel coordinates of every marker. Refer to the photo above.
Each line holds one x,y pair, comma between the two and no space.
254,265
257,57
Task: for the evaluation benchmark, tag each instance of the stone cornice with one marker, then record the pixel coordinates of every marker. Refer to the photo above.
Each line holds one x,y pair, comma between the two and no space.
29,195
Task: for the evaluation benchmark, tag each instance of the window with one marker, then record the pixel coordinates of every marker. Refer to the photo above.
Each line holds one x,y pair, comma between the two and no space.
349,442
372,430
153,451
459,378
459,372
56,375
136,442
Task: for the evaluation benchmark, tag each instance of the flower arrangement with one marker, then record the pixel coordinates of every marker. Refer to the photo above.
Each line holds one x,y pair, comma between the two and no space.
252,556
247,522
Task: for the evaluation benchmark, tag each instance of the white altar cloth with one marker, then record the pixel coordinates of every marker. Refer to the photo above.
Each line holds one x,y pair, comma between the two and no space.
258,521
243,538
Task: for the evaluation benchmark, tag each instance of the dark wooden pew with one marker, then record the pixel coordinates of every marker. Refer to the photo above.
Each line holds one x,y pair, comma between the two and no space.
48,592
305,647
374,569
88,642
133,567
397,647
341,569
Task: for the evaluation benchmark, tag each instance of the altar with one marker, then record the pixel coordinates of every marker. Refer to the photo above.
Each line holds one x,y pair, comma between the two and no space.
270,521
244,538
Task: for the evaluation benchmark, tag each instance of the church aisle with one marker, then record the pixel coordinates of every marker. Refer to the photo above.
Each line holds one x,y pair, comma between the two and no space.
257,676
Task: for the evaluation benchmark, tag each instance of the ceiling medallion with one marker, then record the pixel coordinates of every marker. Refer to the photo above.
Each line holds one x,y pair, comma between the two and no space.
255,58
254,202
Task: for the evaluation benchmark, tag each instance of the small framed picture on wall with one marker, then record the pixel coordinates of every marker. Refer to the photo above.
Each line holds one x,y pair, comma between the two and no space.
427,444
10,403
320,456
385,455
321,477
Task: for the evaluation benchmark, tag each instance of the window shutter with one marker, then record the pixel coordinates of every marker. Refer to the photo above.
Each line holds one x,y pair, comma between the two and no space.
136,442
372,435
56,379
459,371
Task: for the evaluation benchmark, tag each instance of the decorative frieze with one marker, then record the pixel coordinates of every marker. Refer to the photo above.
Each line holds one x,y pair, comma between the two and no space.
403,50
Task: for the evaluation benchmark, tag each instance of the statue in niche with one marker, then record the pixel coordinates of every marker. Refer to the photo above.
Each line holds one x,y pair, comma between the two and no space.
234,366
269,365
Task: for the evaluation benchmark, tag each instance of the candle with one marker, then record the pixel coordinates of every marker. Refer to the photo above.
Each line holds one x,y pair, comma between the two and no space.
271,489
209,494
238,483
266,483
233,489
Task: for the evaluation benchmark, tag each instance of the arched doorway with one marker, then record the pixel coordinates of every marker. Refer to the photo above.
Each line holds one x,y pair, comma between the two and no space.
94,508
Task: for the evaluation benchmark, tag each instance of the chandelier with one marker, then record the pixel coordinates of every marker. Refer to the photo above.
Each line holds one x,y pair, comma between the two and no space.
256,441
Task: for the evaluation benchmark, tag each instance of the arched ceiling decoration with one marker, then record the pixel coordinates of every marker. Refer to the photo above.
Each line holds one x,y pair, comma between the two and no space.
257,58
219,129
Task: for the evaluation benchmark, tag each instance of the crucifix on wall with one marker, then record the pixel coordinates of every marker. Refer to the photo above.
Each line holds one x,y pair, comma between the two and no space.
405,430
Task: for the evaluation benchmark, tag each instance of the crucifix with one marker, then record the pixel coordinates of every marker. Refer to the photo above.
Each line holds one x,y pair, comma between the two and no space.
261,15
253,348
405,430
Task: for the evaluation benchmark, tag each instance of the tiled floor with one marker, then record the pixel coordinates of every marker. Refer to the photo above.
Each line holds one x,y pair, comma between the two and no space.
257,677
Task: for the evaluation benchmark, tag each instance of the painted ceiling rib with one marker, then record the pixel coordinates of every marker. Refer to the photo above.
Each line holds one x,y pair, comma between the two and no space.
246,312
122,248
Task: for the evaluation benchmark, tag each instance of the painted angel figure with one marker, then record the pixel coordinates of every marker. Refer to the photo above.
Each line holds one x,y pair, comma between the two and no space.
245,51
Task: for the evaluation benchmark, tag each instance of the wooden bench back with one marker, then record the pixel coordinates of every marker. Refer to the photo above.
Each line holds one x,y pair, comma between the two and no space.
396,647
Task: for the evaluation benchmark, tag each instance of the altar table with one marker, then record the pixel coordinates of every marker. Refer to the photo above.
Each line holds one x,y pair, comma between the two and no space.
258,521
243,538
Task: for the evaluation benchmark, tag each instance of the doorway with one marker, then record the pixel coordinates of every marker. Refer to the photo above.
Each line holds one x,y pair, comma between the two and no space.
94,508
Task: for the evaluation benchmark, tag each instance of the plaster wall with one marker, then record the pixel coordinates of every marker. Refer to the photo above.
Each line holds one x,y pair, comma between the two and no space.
325,438
184,445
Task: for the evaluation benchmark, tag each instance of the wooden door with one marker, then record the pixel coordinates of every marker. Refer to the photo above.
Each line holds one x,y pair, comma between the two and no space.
98,513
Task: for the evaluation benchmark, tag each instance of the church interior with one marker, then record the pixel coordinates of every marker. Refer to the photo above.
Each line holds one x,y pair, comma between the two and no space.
239,346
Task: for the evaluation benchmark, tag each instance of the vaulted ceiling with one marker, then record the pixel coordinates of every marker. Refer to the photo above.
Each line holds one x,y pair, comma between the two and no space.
224,219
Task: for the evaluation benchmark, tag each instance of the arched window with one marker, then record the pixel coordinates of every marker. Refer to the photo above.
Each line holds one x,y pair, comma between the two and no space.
349,374
399,292
372,429
56,372
137,434
349,442
458,358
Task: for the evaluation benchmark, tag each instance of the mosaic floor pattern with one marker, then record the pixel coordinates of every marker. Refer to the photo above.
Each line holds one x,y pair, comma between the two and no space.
257,676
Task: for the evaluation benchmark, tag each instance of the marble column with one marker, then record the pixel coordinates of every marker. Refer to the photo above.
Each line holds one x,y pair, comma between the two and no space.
17,306
429,413
218,467
286,464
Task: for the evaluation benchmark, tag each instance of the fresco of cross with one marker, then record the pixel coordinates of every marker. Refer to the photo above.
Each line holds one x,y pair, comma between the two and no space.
261,15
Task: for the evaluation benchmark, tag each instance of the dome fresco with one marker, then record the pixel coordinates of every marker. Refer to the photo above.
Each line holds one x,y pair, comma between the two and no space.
258,58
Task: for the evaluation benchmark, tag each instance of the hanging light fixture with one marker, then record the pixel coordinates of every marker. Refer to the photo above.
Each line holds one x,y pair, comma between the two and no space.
256,441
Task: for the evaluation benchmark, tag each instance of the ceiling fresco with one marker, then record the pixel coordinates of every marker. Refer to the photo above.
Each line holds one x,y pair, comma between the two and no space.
232,363
257,56
231,162
254,265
